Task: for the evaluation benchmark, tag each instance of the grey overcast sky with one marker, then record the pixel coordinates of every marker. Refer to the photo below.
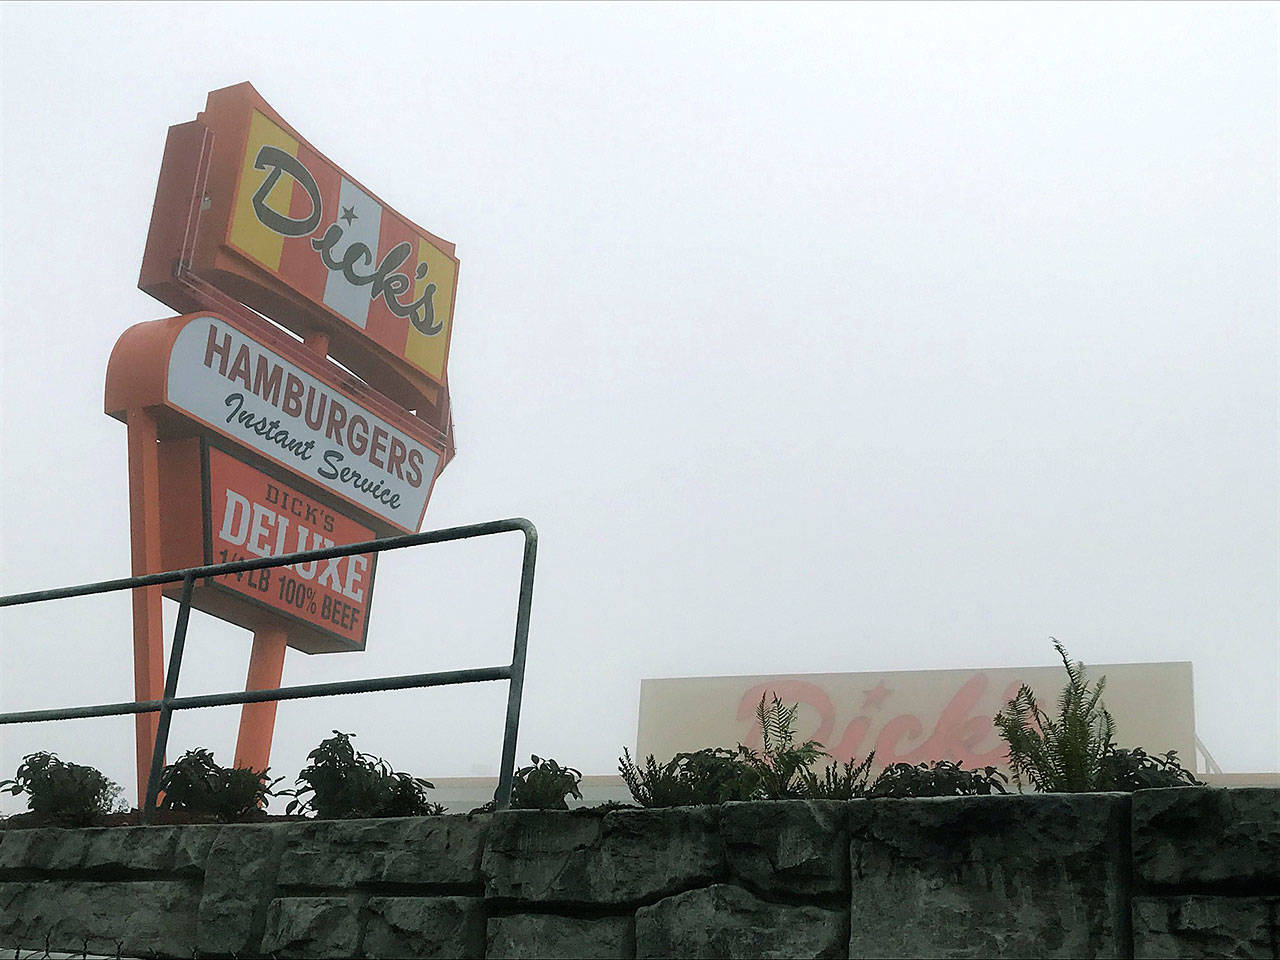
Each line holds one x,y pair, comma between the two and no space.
812,338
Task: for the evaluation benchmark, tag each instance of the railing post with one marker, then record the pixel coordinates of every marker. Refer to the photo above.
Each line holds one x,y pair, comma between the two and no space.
502,796
166,704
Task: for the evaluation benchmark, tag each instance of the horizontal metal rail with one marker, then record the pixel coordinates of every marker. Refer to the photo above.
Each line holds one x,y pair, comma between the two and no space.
406,681
305,556
512,672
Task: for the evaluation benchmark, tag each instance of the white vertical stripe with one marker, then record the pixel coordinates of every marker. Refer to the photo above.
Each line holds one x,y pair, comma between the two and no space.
349,300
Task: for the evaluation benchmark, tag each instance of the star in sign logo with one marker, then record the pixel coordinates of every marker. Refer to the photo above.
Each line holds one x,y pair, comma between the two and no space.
349,214
876,696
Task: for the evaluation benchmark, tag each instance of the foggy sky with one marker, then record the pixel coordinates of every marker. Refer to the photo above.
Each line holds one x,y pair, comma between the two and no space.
812,338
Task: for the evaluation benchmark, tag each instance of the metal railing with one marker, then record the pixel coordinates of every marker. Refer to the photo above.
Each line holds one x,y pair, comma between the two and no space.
512,672
1209,764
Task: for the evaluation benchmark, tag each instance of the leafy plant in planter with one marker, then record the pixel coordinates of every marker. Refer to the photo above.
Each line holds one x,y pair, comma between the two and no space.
544,786
781,770
838,781
341,784
708,776
67,792
941,778
1134,769
1063,755
719,775
195,783
782,765
1077,751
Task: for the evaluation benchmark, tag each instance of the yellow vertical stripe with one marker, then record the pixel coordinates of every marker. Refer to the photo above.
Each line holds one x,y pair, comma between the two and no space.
421,350
247,232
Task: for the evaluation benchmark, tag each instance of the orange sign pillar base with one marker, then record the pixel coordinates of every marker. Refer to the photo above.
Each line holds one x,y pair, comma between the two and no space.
258,720
148,624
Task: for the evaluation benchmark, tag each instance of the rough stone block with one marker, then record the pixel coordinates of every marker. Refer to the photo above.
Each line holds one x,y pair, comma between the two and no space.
142,918
239,883
539,855
531,936
152,849
191,850
1002,876
128,848
1206,836
41,849
429,927
427,850
1200,926
312,927
727,921
790,846
105,850
628,856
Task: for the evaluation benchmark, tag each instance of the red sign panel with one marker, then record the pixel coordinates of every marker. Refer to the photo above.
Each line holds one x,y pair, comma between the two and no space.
249,514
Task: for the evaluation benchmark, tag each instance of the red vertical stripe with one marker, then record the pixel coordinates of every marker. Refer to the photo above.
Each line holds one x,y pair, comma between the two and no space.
300,265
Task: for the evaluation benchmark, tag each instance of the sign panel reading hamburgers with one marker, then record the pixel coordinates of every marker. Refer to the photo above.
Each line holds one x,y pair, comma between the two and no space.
227,381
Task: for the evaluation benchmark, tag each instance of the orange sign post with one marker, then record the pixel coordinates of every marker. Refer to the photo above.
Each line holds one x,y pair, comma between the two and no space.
325,424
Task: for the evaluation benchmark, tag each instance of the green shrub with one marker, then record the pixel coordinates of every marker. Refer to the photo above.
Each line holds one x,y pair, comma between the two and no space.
712,775
67,792
780,770
719,775
544,786
838,781
783,770
655,784
341,784
1130,770
941,778
195,783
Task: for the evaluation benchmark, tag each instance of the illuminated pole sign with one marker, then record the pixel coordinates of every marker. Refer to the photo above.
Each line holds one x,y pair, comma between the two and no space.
326,423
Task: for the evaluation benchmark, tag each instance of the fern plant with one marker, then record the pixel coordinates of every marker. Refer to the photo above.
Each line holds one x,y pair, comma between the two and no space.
782,764
654,784
778,771
1063,755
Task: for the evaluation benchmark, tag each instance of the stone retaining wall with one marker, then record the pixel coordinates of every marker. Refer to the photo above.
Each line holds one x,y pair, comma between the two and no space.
1164,873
